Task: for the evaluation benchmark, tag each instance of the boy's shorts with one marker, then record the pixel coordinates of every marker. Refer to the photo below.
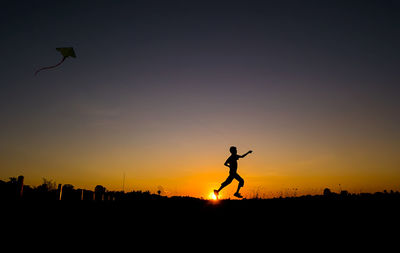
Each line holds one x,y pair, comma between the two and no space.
233,175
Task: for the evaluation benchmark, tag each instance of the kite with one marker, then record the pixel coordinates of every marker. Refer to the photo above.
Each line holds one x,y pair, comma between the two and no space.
66,52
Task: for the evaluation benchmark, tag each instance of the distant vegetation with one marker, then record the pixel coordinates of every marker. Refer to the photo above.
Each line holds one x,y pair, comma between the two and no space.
50,191
15,189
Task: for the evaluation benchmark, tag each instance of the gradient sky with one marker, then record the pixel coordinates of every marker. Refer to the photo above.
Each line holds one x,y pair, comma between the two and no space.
161,89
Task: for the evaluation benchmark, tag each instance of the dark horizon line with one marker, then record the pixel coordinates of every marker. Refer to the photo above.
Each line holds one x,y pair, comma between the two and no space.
16,187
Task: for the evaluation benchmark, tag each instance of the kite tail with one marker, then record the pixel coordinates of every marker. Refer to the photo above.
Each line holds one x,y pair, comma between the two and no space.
50,67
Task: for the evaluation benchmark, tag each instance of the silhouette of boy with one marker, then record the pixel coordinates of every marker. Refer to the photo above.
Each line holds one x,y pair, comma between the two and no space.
231,162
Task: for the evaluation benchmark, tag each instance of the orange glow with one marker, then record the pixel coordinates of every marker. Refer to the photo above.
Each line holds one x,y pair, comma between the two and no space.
212,196
278,168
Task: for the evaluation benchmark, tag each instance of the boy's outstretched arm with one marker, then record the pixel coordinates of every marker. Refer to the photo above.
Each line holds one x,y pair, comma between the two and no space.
249,152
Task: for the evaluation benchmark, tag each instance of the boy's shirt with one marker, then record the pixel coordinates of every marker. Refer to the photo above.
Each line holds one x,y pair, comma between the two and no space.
232,161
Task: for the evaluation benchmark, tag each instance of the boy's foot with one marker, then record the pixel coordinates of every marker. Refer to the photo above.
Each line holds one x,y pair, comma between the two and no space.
237,195
216,193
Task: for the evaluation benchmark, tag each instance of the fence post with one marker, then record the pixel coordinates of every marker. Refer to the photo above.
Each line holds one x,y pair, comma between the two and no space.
59,191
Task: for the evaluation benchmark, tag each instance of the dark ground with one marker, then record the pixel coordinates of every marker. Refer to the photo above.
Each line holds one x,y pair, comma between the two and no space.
233,220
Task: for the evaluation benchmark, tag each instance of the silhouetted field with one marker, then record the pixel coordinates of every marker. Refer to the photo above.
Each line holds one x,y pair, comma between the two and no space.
152,214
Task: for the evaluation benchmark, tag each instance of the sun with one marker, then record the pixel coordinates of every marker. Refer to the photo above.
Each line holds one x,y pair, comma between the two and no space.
212,196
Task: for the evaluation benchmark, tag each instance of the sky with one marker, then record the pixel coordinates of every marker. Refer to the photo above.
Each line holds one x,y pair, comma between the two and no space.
160,90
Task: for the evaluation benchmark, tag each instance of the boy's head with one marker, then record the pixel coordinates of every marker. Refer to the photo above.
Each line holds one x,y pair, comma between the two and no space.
233,150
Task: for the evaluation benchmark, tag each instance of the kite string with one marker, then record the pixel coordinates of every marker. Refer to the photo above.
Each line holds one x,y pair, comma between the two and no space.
50,67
